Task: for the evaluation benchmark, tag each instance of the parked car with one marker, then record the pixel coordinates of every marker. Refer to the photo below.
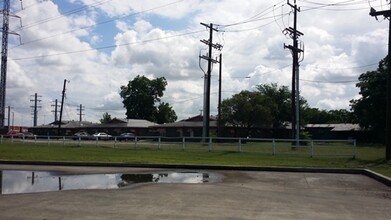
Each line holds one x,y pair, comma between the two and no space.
126,137
26,135
102,136
82,136
12,134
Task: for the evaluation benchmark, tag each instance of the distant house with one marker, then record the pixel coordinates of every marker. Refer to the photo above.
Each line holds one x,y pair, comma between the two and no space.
335,131
67,128
114,127
117,126
191,127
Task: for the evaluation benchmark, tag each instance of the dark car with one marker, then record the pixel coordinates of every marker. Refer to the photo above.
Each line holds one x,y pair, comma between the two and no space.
126,137
82,136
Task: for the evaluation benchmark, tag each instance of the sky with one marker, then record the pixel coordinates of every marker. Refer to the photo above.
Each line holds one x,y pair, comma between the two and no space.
97,46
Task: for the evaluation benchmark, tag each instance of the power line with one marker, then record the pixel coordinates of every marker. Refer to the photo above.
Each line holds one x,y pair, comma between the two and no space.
330,82
256,17
108,47
99,23
73,11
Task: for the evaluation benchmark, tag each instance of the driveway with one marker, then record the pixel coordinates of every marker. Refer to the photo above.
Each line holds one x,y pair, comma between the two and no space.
236,195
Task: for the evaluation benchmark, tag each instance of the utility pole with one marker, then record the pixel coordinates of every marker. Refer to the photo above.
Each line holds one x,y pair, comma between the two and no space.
80,109
4,53
62,107
219,107
9,115
387,14
207,78
55,109
35,108
295,50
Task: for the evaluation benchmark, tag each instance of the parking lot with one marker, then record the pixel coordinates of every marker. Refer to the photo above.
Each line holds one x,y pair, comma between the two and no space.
237,195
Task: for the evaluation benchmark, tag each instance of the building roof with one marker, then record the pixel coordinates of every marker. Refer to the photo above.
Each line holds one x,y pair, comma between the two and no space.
68,124
186,124
134,123
200,118
337,127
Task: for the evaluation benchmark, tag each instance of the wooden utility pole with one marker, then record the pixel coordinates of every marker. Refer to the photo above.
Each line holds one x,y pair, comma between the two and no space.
387,14
295,50
35,108
62,107
219,104
80,109
207,79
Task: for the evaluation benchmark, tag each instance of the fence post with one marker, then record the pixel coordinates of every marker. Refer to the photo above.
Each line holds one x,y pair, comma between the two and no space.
48,140
115,141
63,141
158,144
274,147
183,143
240,145
354,149
78,141
210,144
135,143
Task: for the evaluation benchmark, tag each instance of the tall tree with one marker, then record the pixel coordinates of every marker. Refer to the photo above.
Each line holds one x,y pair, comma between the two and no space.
370,109
247,110
142,97
106,117
165,114
281,97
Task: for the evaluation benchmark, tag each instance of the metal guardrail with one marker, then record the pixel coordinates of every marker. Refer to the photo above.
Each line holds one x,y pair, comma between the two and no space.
312,148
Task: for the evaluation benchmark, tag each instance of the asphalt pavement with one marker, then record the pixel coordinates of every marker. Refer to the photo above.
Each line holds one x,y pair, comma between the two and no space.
237,194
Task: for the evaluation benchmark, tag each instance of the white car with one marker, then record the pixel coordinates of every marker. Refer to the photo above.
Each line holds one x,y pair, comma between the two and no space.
102,136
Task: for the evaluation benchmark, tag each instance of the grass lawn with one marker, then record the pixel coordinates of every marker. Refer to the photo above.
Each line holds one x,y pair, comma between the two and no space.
371,157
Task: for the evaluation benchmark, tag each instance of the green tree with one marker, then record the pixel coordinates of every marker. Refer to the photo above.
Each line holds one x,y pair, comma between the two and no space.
317,116
281,97
247,109
370,109
142,97
341,116
165,114
106,117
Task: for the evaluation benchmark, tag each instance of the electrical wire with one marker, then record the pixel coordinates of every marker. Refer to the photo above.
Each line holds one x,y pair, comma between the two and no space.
335,6
330,82
256,17
63,15
99,23
108,47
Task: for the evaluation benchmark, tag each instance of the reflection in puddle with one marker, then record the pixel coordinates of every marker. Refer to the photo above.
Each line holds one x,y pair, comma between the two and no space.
12,182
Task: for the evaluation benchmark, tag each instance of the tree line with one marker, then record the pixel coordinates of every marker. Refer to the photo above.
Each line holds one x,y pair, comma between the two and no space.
269,105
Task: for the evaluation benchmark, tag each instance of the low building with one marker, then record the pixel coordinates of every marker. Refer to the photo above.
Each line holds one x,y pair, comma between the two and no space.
335,131
114,127
191,127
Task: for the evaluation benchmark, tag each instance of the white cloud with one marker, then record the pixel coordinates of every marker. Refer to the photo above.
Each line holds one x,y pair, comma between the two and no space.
151,40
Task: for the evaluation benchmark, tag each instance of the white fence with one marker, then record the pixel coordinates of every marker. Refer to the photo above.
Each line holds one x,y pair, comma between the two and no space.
312,148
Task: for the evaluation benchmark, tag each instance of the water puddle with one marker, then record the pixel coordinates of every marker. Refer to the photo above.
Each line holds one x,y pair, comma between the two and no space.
13,182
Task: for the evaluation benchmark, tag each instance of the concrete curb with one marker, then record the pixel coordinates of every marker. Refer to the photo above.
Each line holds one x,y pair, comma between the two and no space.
369,173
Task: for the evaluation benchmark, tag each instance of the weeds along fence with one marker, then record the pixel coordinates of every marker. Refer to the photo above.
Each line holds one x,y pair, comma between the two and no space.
312,148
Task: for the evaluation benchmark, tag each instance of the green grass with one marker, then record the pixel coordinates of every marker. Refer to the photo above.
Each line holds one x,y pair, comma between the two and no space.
370,157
